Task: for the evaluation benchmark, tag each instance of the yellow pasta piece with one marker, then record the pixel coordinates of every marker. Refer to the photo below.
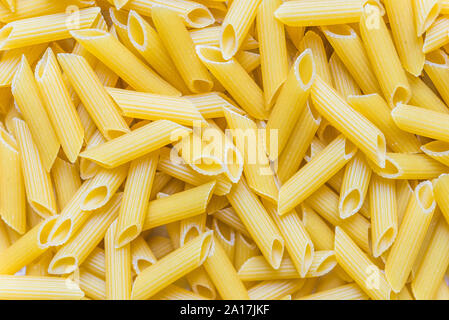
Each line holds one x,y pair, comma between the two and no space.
59,106
235,79
441,186
141,255
95,263
213,104
433,267
176,39
436,35
180,262
437,68
424,97
66,179
21,253
411,234
257,268
118,266
410,166
156,107
342,79
426,11
230,217
93,286
26,95
135,198
275,290
38,184
117,56
73,253
4,238
314,174
408,42
210,36
359,266
194,14
225,236
259,224
173,292
148,44
384,58
36,30
135,144
349,291
381,116
384,217
38,288
367,137
291,102
272,49
178,206
12,188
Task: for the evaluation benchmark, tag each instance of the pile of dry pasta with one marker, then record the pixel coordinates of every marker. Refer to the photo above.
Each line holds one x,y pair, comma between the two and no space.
213,149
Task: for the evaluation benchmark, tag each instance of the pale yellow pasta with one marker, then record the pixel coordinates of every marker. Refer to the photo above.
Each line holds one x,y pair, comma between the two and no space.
141,255
89,169
354,187
102,187
148,44
210,36
420,121
178,206
291,102
441,187
376,110
258,222
185,173
426,11
248,60
117,56
59,106
257,268
41,29
410,166
325,202
12,188
93,286
4,238
349,48
314,174
275,289
195,14
66,180
230,217
156,107
316,13
223,275
307,288
135,144
38,288
359,266
300,139
436,35
95,263
273,50
256,165
342,79
89,125
118,266
437,69
38,184
225,236
217,203
180,262
366,136
235,79
11,59
424,96
433,267
349,291
119,21
384,217
384,58
297,241
320,233
411,233
176,39
20,253
135,198
173,292
91,92
26,95
236,25
408,42
73,253
39,267
213,104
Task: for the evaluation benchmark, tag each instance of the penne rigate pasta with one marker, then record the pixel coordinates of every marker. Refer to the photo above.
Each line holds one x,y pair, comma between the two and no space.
66,180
